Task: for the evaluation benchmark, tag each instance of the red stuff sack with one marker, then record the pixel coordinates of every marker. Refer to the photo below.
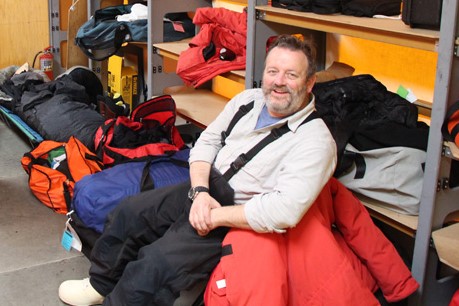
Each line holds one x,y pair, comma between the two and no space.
150,131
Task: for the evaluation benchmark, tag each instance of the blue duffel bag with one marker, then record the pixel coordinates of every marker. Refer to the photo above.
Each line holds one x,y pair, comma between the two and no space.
95,196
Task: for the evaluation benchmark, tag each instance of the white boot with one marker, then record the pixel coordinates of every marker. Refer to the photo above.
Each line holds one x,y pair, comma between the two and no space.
79,292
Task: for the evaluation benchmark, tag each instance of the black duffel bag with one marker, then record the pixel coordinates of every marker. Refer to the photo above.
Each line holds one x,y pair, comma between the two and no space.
102,35
324,7
369,8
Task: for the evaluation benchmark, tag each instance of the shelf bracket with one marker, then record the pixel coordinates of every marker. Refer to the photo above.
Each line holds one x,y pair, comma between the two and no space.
442,184
456,47
259,15
450,150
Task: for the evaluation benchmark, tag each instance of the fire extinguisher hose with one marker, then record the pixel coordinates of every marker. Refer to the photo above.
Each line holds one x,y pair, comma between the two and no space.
35,58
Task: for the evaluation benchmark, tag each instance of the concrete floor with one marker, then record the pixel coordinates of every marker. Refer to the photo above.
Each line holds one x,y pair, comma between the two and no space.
32,261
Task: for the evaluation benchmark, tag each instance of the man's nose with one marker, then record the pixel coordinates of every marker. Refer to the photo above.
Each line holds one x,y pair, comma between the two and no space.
280,79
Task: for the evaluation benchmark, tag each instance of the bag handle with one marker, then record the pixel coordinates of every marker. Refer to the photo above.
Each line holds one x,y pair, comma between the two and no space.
359,161
99,150
67,196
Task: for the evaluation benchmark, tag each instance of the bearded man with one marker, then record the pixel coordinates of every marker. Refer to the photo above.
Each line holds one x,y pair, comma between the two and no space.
163,241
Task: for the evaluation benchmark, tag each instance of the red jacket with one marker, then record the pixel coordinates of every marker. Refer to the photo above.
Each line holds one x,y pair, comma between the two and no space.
334,256
224,29
455,299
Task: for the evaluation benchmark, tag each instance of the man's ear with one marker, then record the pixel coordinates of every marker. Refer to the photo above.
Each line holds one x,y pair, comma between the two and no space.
310,83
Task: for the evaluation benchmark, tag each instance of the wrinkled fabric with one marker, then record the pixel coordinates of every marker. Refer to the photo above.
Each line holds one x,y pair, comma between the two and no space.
359,103
56,109
149,251
335,256
455,299
60,109
219,28
276,189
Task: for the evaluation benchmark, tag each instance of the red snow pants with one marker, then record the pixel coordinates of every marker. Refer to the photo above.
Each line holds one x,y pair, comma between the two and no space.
313,263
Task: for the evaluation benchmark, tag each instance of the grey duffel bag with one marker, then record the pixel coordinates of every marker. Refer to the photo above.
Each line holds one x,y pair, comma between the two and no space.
391,175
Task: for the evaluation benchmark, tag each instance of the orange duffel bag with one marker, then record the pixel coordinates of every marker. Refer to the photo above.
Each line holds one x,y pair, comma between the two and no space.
450,128
54,167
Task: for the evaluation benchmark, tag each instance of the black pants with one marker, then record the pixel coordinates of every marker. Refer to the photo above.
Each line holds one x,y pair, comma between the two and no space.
149,251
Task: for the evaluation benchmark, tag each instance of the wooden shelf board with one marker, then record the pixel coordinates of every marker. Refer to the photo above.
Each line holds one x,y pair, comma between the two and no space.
235,75
377,29
198,106
172,50
446,242
404,223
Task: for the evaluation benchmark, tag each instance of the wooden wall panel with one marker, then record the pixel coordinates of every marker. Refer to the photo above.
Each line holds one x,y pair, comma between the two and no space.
392,65
77,15
23,30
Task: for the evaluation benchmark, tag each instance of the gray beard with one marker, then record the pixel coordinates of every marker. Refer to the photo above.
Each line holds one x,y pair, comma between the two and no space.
293,105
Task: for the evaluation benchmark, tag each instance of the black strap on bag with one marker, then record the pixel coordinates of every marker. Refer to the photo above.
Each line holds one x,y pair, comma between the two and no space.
244,158
358,160
147,182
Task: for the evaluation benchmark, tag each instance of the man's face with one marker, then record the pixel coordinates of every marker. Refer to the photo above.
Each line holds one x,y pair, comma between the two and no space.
285,83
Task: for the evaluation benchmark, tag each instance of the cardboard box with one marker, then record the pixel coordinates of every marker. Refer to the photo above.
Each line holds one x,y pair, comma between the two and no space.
123,80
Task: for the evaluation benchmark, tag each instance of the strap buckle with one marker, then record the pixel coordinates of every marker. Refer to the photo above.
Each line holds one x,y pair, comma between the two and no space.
239,162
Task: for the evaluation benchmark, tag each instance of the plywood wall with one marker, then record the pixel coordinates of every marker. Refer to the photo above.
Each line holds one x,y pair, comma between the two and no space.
390,64
235,5
23,30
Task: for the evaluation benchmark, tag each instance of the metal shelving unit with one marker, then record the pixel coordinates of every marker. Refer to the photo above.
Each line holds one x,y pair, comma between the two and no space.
156,80
438,283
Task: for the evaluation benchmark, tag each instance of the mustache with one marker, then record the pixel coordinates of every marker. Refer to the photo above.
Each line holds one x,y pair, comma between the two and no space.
280,88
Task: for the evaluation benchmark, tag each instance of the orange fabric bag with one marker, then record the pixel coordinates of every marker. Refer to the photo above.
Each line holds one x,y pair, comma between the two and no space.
54,167
450,128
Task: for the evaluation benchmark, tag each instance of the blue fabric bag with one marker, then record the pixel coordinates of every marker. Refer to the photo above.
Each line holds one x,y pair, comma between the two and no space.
95,196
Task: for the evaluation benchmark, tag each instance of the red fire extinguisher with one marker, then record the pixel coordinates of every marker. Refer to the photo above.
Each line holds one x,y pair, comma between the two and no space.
46,62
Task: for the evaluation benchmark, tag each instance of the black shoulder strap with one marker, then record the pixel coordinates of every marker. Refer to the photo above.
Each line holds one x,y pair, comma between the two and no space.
244,158
241,112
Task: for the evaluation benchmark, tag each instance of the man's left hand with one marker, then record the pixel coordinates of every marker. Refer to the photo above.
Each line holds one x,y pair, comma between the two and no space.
200,213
